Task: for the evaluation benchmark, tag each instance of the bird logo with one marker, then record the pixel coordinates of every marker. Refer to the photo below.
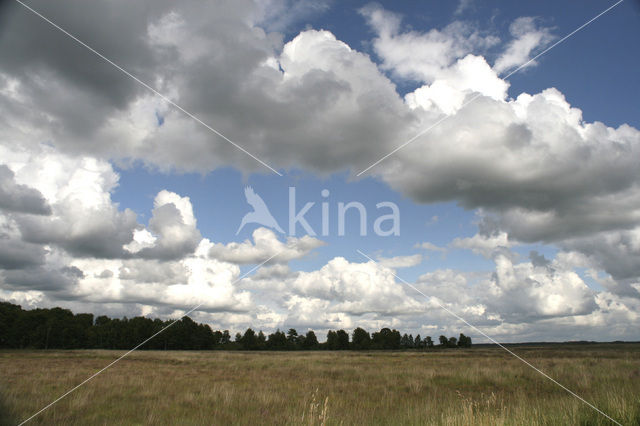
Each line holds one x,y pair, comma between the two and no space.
260,214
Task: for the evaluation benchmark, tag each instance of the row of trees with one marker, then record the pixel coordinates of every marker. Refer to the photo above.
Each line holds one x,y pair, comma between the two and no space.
59,328
339,340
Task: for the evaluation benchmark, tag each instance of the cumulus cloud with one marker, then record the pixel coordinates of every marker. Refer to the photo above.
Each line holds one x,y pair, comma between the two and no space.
355,287
176,284
532,160
265,245
524,291
172,227
485,245
449,92
263,94
83,219
521,298
421,56
400,261
88,250
52,281
20,198
538,172
528,36
617,253
430,247
16,254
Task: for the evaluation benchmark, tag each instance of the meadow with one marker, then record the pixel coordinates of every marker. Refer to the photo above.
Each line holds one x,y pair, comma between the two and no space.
482,385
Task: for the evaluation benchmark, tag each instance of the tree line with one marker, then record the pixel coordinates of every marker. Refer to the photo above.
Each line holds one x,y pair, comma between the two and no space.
59,328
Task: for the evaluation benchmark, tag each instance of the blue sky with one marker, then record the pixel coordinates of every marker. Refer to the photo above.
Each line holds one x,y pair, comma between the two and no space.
518,210
219,205
594,70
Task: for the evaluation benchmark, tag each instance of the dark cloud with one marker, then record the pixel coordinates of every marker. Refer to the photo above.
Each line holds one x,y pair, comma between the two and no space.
105,274
214,62
316,104
60,280
153,271
16,254
114,28
20,198
100,237
616,252
176,239
538,259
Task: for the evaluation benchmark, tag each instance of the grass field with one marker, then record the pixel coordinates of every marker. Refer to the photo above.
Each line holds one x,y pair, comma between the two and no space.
483,386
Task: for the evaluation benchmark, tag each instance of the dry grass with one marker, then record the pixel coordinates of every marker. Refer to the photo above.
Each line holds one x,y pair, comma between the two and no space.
459,387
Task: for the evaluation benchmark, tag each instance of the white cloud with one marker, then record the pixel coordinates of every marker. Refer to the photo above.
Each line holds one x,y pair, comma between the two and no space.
516,158
20,198
265,245
463,6
528,38
421,56
83,219
485,245
430,247
356,288
400,261
142,238
524,290
172,226
615,252
468,75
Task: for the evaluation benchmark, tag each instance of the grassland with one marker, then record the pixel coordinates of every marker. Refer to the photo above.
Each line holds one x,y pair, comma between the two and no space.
483,386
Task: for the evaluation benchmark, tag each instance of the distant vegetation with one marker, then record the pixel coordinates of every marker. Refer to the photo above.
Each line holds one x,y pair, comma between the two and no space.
59,328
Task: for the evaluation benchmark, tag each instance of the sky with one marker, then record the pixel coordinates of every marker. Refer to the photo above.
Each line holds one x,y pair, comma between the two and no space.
326,165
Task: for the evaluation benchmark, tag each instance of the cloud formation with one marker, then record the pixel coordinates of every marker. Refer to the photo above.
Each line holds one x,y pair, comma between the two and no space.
527,38
265,247
20,198
530,164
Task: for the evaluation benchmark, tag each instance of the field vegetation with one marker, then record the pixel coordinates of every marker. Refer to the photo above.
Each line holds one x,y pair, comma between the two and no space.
482,385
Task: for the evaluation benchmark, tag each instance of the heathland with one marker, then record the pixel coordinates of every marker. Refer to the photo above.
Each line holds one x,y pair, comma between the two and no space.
481,385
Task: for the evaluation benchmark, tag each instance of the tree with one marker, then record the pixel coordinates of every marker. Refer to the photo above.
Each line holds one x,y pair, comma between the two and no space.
249,341
226,338
443,341
262,340
343,340
59,328
386,339
360,339
310,340
292,339
9,314
203,338
464,341
216,339
332,340
428,342
407,341
277,341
